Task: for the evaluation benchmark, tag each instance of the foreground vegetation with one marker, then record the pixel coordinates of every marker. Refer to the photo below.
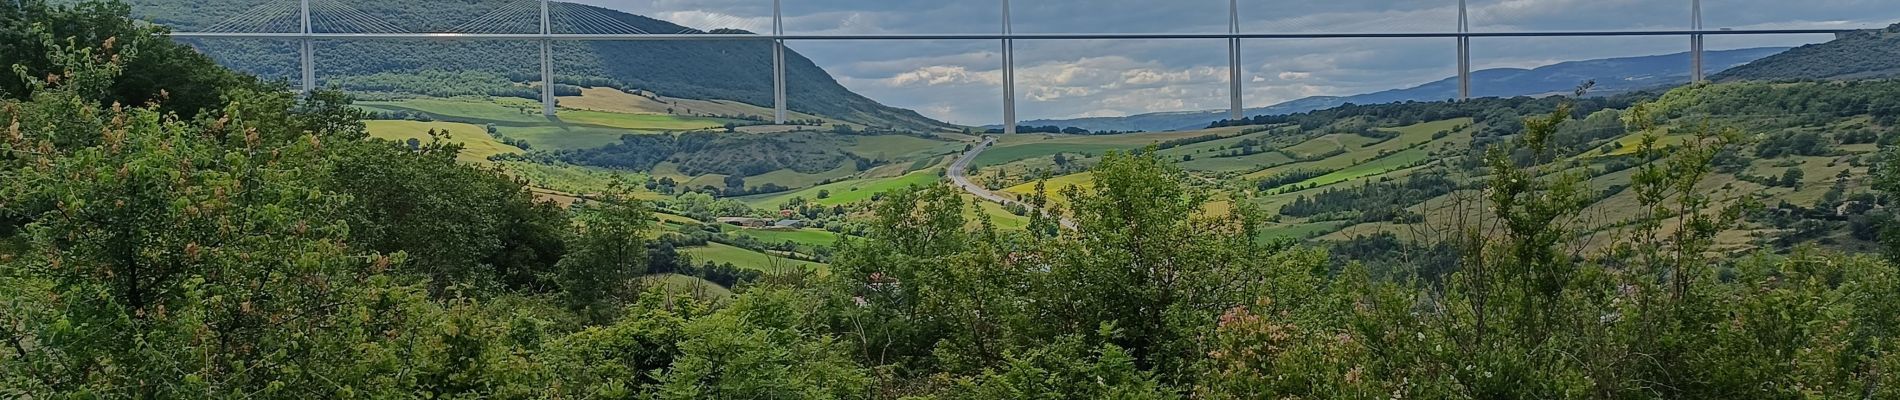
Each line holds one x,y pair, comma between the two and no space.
265,246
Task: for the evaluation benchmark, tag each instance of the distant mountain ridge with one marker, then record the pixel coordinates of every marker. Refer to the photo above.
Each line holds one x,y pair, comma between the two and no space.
708,70
1613,75
1858,55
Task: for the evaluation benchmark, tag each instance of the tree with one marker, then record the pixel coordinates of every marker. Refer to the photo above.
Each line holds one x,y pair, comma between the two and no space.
758,348
213,240
1157,271
463,224
155,70
1887,181
607,251
735,182
1792,178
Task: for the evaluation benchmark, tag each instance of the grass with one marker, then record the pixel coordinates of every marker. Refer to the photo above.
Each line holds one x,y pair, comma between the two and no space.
1002,155
808,236
848,191
615,101
1324,144
477,145
469,110
1001,218
1252,162
1017,147
748,259
574,179
1631,143
713,180
571,129
1212,146
1391,163
566,137
667,169
641,121
1054,187
900,147
1299,230
1408,136
507,112
794,179
686,284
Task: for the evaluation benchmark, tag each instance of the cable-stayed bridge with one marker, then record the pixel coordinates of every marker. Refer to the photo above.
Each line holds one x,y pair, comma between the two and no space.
545,21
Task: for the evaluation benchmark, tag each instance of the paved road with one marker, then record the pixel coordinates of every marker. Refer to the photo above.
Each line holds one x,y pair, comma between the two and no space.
957,176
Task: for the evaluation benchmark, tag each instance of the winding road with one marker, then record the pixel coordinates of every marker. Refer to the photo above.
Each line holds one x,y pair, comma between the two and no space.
959,176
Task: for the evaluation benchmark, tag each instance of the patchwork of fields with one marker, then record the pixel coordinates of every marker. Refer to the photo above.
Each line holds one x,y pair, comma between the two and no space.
1270,167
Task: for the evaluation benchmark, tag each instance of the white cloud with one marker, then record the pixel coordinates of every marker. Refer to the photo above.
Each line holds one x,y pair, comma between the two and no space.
940,75
706,20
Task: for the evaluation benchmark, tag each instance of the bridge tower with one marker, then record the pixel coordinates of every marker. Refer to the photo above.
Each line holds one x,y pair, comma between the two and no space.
1695,42
547,63
309,59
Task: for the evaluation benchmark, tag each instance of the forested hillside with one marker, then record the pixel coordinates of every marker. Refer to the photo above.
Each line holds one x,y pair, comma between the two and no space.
1858,55
728,70
264,246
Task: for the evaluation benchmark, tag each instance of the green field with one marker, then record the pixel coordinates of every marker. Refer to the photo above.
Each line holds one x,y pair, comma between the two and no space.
1299,231
794,179
846,192
1328,143
808,236
642,122
901,147
748,259
516,113
689,285
1002,155
1630,144
1054,187
477,145
1252,162
1211,147
1001,218
1381,166
574,179
1408,137
713,180
1017,147
566,137
570,129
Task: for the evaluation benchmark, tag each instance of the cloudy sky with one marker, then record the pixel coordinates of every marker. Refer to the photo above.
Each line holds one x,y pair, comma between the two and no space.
960,81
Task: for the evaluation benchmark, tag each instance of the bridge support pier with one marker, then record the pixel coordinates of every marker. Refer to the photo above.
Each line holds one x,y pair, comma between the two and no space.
309,62
1009,75
309,59
1235,108
778,64
1695,43
1464,52
547,64
547,78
